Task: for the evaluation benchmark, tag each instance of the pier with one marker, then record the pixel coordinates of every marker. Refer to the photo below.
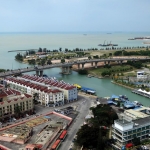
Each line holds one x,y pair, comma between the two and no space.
142,93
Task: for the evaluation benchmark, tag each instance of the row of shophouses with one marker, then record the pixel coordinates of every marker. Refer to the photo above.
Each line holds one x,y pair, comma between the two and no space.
47,91
13,103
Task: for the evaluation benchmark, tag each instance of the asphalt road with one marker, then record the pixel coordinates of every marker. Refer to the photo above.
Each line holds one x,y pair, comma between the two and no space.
83,111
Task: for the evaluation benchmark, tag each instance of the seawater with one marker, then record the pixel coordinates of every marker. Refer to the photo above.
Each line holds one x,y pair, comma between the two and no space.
104,87
25,41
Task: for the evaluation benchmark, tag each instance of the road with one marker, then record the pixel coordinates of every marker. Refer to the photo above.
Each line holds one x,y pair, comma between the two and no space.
83,111
67,64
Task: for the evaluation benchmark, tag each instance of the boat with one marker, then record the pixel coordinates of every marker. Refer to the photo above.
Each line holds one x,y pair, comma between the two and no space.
77,86
146,42
108,44
88,90
137,103
103,44
141,38
131,39
89,75
129,105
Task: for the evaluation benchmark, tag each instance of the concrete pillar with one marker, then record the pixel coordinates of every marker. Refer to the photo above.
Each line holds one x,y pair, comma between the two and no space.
63,70
37,72
68,70
96,64
78,66
41,73
92,64
82,66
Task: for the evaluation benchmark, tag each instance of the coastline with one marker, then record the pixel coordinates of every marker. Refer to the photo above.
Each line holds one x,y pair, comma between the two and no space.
122,85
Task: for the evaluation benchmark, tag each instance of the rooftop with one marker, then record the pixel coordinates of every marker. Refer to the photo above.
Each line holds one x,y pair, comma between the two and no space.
49,81
33,85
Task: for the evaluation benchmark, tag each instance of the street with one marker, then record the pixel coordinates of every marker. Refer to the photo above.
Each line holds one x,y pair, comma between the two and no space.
83,111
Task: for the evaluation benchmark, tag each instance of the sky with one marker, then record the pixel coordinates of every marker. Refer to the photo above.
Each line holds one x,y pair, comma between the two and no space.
74,15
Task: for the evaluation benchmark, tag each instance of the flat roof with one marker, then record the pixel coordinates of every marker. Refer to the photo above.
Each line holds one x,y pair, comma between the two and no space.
142,121
136,114
123,121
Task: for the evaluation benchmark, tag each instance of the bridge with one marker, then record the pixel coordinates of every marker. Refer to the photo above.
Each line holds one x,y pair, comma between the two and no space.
66,67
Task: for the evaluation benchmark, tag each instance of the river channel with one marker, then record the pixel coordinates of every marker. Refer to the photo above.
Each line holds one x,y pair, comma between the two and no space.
103,87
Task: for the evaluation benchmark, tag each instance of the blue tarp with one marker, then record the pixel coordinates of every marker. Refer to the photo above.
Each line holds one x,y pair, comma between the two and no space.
129,104
47,117
85,89
114,96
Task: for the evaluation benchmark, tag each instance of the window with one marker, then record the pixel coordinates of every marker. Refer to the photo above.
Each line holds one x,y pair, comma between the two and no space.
138,134
129,132
134,131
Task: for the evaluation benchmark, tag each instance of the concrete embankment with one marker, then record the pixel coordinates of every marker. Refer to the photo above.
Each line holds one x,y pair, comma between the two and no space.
87,95
122,85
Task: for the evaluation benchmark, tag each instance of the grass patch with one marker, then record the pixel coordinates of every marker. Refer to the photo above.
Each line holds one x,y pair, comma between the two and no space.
113,69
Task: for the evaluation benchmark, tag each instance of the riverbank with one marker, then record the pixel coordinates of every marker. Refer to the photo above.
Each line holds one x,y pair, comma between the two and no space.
122,85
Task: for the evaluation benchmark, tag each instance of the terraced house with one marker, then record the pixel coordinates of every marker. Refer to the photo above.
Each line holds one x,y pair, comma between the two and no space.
43,94
70,91
13,102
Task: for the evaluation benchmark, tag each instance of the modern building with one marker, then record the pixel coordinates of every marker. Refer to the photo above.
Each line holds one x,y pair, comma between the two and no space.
141,112
44,94
141,75
125,130
70,91
11,100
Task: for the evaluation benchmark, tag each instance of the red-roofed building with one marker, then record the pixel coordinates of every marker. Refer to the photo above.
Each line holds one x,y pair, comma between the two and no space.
70,91
44,94
10,99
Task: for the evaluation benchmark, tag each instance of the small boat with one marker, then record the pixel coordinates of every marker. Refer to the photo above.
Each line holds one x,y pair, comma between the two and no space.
137,103
129,105
131,39
77,86
89,75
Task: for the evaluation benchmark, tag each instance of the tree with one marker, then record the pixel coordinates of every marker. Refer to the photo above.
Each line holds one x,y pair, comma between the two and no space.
94,134
62,60
17,110
19,57
35,98
136,141
40,49
49,62
87,136
83,72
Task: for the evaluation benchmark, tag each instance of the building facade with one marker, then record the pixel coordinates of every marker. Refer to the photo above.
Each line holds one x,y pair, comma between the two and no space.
124,131
13,102
70,91
43,94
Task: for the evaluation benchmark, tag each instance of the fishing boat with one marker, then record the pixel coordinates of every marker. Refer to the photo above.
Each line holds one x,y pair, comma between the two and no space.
108,44
88,90
129,105
77,86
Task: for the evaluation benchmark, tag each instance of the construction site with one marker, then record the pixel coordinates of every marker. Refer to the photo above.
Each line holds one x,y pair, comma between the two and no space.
41,132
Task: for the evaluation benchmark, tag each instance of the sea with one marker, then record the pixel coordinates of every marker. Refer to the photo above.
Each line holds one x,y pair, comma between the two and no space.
51,41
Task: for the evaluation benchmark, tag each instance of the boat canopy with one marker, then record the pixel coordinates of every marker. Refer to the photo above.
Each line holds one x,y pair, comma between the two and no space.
114,97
